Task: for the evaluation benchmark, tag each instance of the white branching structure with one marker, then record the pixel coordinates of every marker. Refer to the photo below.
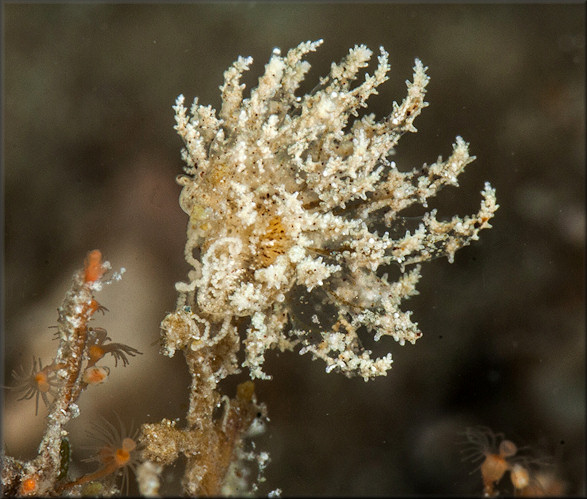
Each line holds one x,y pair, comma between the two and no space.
294,204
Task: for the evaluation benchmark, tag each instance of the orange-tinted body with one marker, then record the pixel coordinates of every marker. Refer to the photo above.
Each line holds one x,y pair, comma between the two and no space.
93,268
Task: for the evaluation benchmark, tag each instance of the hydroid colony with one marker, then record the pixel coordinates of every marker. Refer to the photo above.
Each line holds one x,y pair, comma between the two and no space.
294,199
295,224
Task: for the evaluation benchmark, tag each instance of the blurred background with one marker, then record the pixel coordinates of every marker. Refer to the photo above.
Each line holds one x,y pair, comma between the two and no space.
90,158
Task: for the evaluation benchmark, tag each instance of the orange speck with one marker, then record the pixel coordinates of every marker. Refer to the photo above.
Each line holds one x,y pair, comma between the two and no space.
93,268
28,486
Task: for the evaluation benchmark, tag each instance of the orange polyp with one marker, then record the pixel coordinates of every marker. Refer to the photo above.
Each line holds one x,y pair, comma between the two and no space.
121,457
28,486
93,268
96,375
96,353
519,476
492,470
93,306
496,458
114,457
118,452
42,381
